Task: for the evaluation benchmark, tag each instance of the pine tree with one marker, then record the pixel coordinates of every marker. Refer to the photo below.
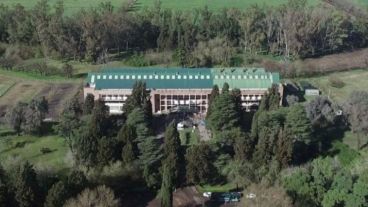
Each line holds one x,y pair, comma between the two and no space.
76,182
224,114
243,148
127,154
16,117
199,166
138,98
26,188
86,147
89,103
167,187
127,137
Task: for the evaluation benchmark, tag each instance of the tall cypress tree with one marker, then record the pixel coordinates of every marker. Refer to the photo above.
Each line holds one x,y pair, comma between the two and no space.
214,94
225,88
89,103
172,152
167,187
138,98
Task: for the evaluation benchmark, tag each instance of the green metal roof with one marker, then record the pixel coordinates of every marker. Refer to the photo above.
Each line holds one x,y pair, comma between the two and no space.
183,78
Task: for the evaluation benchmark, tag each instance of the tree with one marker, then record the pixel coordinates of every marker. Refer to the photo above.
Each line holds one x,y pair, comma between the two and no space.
172,153
224,113
26,188
225,88
199,169
86,147
356,109
243,148
76,182
68,70
127,137
320,112
57,195
16,116
89,103
167,186
240,173
98,123
106,150
34,116
214,94
138,98
6,197
70,121
150,158
100,196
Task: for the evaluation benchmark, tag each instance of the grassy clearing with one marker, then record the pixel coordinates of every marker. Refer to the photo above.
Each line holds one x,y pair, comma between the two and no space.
216,188
5,85
28,148
354,80
187,137
73,6
344,153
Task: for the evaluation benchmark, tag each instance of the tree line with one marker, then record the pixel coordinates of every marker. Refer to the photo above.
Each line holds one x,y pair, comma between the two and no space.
195,38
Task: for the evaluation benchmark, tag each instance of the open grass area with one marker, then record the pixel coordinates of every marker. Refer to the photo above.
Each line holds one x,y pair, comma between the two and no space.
353,80
187,137
29,148
5,85
216,188
72,6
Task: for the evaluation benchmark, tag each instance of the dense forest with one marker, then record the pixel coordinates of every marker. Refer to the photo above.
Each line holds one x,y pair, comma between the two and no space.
196,38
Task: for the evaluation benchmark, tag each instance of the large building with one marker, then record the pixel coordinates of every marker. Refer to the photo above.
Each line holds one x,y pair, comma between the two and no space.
173,89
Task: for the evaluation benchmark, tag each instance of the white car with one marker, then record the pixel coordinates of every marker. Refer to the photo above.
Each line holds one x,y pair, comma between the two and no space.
207,194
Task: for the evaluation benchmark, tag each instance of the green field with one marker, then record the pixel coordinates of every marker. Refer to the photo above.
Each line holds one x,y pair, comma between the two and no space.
72,6
29,148
354,80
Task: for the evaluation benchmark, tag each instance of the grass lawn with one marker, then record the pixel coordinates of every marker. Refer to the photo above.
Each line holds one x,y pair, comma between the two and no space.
5,85
354,80
187,137
73,6
216,188
28,148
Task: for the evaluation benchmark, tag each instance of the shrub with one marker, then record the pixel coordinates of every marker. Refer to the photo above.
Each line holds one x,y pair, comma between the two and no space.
45,150
138,60
336,82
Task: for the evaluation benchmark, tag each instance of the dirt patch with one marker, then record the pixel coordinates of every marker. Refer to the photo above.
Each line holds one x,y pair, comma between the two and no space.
183,197
317,66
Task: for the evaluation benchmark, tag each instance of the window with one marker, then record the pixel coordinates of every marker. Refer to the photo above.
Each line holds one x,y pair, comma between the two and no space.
167,77
98,77
184,77
127,77
162,77
227,77
216,77
139,77
239,77
133,77
190,77
196,76
110,76
144,77
173,77
121,77
202,76
156,76
222,77
179,76
256,76
233,77
250,77
150,77
208,77
245,77
116,77
104,77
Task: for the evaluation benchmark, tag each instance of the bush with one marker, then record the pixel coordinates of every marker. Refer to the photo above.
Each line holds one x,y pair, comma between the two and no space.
336,82
45,150
138,60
